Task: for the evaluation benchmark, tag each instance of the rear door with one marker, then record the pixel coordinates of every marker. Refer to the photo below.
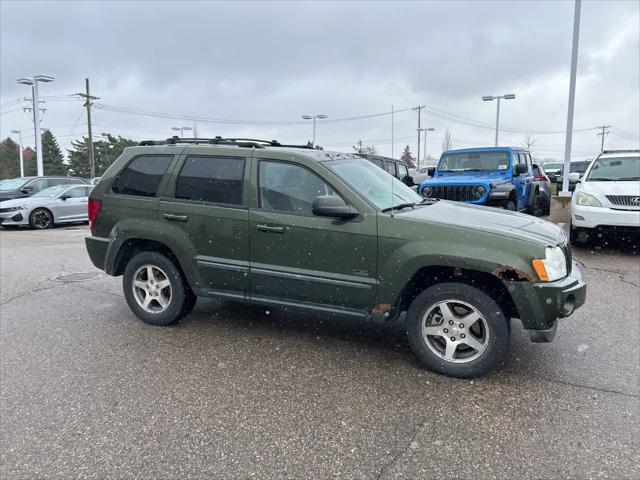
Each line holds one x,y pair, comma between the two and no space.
299,257
205,204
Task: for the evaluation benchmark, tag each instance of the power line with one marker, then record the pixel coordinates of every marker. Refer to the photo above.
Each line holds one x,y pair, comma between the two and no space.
602,134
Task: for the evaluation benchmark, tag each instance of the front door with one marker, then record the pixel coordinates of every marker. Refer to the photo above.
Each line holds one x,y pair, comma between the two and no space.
522,182
74,206
299,257
206,206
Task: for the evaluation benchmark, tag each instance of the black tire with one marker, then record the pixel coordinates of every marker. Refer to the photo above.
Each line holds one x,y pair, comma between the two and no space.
536,208
496,335
510,205
579,236
41,219
182,299
547,209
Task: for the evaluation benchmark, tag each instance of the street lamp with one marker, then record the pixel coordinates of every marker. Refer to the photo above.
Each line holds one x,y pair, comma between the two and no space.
425,130
33,83
488,98
181,130
19,133
314,117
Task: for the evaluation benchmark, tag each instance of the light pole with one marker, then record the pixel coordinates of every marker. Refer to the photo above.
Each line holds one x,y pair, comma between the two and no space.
33,83
19,133
314,117
488,98
181,130
425,130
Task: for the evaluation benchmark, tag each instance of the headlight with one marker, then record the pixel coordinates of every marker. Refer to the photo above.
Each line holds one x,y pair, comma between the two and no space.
13,209
552,267
587,200
427,191
479,191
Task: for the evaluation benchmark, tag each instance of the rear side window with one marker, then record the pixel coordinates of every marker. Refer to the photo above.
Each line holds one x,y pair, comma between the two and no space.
536,171
391,168
211,179
142,176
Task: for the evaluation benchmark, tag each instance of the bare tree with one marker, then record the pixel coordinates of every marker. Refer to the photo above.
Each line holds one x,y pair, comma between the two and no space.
529,143
362,148
447,144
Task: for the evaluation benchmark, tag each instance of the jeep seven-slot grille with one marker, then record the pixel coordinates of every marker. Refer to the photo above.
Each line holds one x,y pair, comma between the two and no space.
459,193
625,200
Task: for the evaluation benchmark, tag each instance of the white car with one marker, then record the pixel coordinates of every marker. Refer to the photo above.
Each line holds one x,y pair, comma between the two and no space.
59,204
607,198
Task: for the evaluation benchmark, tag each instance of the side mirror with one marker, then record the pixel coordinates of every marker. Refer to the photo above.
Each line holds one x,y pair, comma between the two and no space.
333,206
574,177
408,181
431,171
519,169
26,189
65,196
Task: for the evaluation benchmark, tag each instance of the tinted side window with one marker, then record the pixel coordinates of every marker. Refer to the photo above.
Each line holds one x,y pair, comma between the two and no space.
402,170
529,166
377,162
77,192
38,184
289,188
536,171
211,179
391,168
142,176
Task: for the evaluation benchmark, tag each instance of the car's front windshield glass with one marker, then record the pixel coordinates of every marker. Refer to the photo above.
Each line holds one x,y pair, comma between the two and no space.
374,184
474,161
578,167
12,183
552,166
51,191
615,169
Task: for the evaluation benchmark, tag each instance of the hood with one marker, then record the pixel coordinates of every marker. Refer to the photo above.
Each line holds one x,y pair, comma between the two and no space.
10,194
471,178
612,188
489,219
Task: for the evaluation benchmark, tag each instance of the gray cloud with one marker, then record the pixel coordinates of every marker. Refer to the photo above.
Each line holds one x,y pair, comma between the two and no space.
268,60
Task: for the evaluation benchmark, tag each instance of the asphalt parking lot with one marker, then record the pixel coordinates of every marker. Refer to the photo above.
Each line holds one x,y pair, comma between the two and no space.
89,391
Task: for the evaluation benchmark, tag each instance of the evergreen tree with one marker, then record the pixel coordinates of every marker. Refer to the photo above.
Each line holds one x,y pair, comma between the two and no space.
362,148
105,153
52,159
9,159
407,157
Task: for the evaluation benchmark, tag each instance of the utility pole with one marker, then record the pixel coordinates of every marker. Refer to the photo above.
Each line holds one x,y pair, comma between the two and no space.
602,134
88,102
392,131
419,110
572,97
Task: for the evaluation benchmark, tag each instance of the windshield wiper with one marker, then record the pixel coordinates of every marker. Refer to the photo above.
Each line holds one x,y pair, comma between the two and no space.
602,179
400,206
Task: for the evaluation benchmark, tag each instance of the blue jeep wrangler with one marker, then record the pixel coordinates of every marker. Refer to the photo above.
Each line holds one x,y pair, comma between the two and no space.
500,177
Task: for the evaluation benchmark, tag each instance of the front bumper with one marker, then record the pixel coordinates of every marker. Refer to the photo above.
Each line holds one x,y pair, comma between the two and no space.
540,305
593,217
16,217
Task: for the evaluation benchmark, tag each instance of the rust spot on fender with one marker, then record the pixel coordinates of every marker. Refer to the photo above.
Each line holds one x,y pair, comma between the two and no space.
382,308
513,274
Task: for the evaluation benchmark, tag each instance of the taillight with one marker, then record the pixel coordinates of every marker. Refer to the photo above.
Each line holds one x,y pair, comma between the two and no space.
542,177
94,210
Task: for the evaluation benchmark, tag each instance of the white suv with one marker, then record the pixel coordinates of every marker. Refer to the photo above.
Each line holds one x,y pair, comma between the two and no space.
607,198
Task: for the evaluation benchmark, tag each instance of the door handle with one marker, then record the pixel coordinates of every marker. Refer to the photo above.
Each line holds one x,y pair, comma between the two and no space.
175,218
270,228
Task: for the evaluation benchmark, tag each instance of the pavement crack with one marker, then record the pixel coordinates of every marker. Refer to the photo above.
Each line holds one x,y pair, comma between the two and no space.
576,385
29,292
621,275
386,468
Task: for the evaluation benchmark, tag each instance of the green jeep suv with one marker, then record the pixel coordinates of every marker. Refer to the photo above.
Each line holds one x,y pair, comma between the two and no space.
328,232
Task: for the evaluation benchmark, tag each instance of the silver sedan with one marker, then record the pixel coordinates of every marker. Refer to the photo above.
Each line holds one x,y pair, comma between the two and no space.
59,204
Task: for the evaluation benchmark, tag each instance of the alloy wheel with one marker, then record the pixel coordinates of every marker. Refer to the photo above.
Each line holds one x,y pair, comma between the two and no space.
152,289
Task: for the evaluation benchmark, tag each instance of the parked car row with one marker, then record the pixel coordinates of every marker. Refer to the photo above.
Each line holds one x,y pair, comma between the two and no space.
42,202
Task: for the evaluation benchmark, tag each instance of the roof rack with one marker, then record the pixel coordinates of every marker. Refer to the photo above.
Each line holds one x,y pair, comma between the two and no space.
239,142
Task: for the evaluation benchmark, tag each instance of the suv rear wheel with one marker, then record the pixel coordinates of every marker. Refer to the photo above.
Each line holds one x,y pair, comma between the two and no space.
457,330
155,289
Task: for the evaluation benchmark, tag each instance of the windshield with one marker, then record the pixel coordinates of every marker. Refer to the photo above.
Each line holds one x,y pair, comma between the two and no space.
51,191
552,166
12,183
374,184
478,161
578,167
615,169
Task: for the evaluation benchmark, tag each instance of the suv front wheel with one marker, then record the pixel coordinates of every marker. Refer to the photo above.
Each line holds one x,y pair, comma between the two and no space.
156,290
457,330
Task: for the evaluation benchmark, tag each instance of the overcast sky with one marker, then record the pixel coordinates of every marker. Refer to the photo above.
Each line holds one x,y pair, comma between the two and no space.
264,64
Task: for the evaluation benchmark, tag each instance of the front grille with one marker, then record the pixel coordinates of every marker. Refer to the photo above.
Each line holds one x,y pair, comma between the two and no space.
458,193
625,200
